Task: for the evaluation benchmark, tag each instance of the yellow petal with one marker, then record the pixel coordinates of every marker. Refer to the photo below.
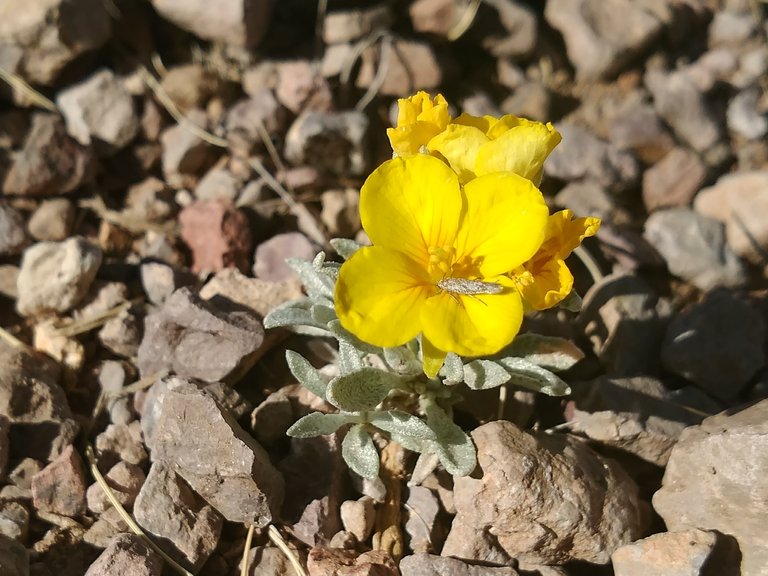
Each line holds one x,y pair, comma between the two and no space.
432,358
380,294
503,124
411,204
459,145
564,233
547,285
473,325
482,123
503,226
521,150
408,140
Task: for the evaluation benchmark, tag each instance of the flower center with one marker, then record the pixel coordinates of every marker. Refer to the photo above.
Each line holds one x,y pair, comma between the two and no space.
441,260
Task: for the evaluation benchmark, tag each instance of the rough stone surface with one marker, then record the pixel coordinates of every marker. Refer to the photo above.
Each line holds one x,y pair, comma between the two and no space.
13,236
743,114
431,565
639,128
180,521
713,482
128,555
300,86
100,110
124,479
247,117
543,500
14,557
340,212
694,248
267,561
217,184
60,486
333,562
121,442
674,180
269,260
718,344
412,66
14,520
183,151
422,508
602,37
198,339
160,280
53,220
347,25
217,458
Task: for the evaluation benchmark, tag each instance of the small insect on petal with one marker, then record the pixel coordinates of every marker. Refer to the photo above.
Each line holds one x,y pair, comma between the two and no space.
469,287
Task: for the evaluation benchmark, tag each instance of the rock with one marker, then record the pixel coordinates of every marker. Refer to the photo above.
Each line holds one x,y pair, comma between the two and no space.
62,552
717,344
575,504
638,415
300,87
14,558
411,66
312,501
55,276
335,562
21,477
218,234
109,525
13,236
49,163
529,100
435,16
100,110
239,23
261,296
694,248
674,180
150,200
160,280
69,352
348,25
731,28
31,398
112,378
183,151
640,129
743,116
14,521
583,156
217,184
358,517
689,553
422,509
271,419
430,565
683,105
185,526
217,458
53,220
60,486
335,58
189,86
267,561
586,198
507,28
270,258
601,38
50,35
5,441
340,213
124,479
121,334
721,457
334,142
121,442
127,554
248,119
198,339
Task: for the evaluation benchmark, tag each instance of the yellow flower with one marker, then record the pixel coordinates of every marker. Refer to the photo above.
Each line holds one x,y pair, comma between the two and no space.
440,257
545,280
419,118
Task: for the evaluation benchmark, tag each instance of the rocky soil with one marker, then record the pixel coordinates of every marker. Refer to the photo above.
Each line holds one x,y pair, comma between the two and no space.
160,160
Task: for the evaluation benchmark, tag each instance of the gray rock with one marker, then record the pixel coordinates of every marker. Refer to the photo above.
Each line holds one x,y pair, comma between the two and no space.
150,200
13,235
31,398
124,479
694,248
601,38
217,184
270,257
639,128
412,65
185,526
14,520
217,458
358,517
718,344
543,500
507,28
247,117
240,23
712,482
100,110
55,276
121,442
197,339
329,141
101,532
184,152
301,87
743,115
49,163
121,334
128,555
422,509
53,220
21,476
731,28
160,280
430,565
60,486
674,180
341,212
50,35
14,558
268,561
348,25
588,198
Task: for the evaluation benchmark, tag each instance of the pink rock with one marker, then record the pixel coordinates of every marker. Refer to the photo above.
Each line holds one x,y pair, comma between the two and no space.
60,486
301,87
218,234
271,255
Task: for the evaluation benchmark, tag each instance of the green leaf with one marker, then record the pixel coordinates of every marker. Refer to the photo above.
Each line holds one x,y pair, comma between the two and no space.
318,424
532,377
484,374
294,315
453,369
350,358
359,452
305,373
556,354
401,424
402,360
317,284
361,390
342,334
453,446
345,247
323,314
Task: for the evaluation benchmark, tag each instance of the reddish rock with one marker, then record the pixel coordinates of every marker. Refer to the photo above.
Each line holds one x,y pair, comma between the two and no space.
218,234
300,87
60,486
271,255
674,180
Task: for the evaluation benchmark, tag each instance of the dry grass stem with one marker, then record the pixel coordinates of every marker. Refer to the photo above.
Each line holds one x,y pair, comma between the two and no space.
277,540
465,22
21,87
246,549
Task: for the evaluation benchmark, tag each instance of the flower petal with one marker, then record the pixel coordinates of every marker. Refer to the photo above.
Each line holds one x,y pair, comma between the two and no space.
459,144
419,118
380,294
482,123
569,233
432,357
521,150
411,204
408,140
547,285
473,325
503,225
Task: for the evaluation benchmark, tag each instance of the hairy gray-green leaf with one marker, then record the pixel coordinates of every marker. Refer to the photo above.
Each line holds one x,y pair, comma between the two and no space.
453,369
296,316
318,285
323,314
342,334
572,302
319,424
359,452
350,358
484,374
345,247
361,390
549,352
402,360
402,424
528,375
453,446
305,373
